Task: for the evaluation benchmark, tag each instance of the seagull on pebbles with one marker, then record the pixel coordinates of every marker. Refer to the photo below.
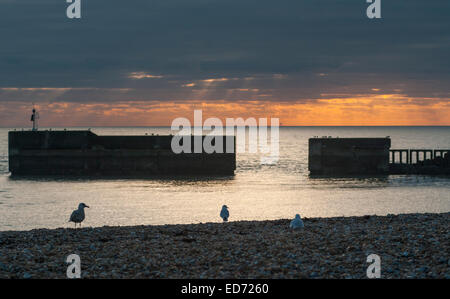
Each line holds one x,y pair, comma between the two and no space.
224,213
297,222
77,216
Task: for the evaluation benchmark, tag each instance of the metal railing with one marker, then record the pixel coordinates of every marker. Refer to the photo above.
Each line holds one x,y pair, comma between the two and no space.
413,156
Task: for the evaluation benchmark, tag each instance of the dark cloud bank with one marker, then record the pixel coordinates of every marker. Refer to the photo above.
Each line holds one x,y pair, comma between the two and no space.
290,50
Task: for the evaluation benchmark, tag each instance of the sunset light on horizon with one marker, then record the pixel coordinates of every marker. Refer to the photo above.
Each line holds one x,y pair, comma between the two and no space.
358,110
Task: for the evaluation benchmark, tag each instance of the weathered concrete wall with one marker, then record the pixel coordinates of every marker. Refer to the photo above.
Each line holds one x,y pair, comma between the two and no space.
84,153
341,156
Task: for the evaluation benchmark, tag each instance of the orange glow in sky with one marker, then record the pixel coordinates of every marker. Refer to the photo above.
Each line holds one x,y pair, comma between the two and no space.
359,110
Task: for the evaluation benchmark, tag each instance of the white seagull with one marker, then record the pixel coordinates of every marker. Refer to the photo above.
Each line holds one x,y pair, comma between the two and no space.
77,216
297,222
224,213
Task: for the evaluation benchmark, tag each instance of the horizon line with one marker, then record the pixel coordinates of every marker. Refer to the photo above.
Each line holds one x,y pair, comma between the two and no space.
281,126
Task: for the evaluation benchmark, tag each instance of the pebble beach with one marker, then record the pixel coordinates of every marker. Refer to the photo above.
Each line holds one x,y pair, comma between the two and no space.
409,245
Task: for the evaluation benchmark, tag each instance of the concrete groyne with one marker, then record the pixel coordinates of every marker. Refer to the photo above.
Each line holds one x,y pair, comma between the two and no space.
85,153
373,156
348,156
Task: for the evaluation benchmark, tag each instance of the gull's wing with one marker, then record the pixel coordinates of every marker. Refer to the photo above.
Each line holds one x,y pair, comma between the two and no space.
296,223
74,216
224,213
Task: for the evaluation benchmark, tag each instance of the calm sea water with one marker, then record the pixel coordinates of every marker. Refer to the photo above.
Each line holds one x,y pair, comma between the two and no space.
256,192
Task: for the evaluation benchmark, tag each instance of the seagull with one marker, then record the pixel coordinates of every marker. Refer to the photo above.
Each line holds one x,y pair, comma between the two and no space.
224,213
77,216
297,222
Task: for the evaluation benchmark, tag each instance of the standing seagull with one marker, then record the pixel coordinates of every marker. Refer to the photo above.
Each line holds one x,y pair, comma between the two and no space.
297,222
78,215
224,213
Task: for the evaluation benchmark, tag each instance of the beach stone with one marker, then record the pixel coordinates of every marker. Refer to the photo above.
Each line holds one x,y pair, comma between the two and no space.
411,246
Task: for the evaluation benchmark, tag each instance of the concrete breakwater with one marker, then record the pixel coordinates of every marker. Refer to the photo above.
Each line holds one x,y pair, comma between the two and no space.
372,156
85,153
352,156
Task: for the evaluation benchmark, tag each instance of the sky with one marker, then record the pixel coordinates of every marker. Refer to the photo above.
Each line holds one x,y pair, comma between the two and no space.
147,62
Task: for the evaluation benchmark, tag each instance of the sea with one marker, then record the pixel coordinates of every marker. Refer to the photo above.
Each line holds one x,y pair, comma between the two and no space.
256,192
